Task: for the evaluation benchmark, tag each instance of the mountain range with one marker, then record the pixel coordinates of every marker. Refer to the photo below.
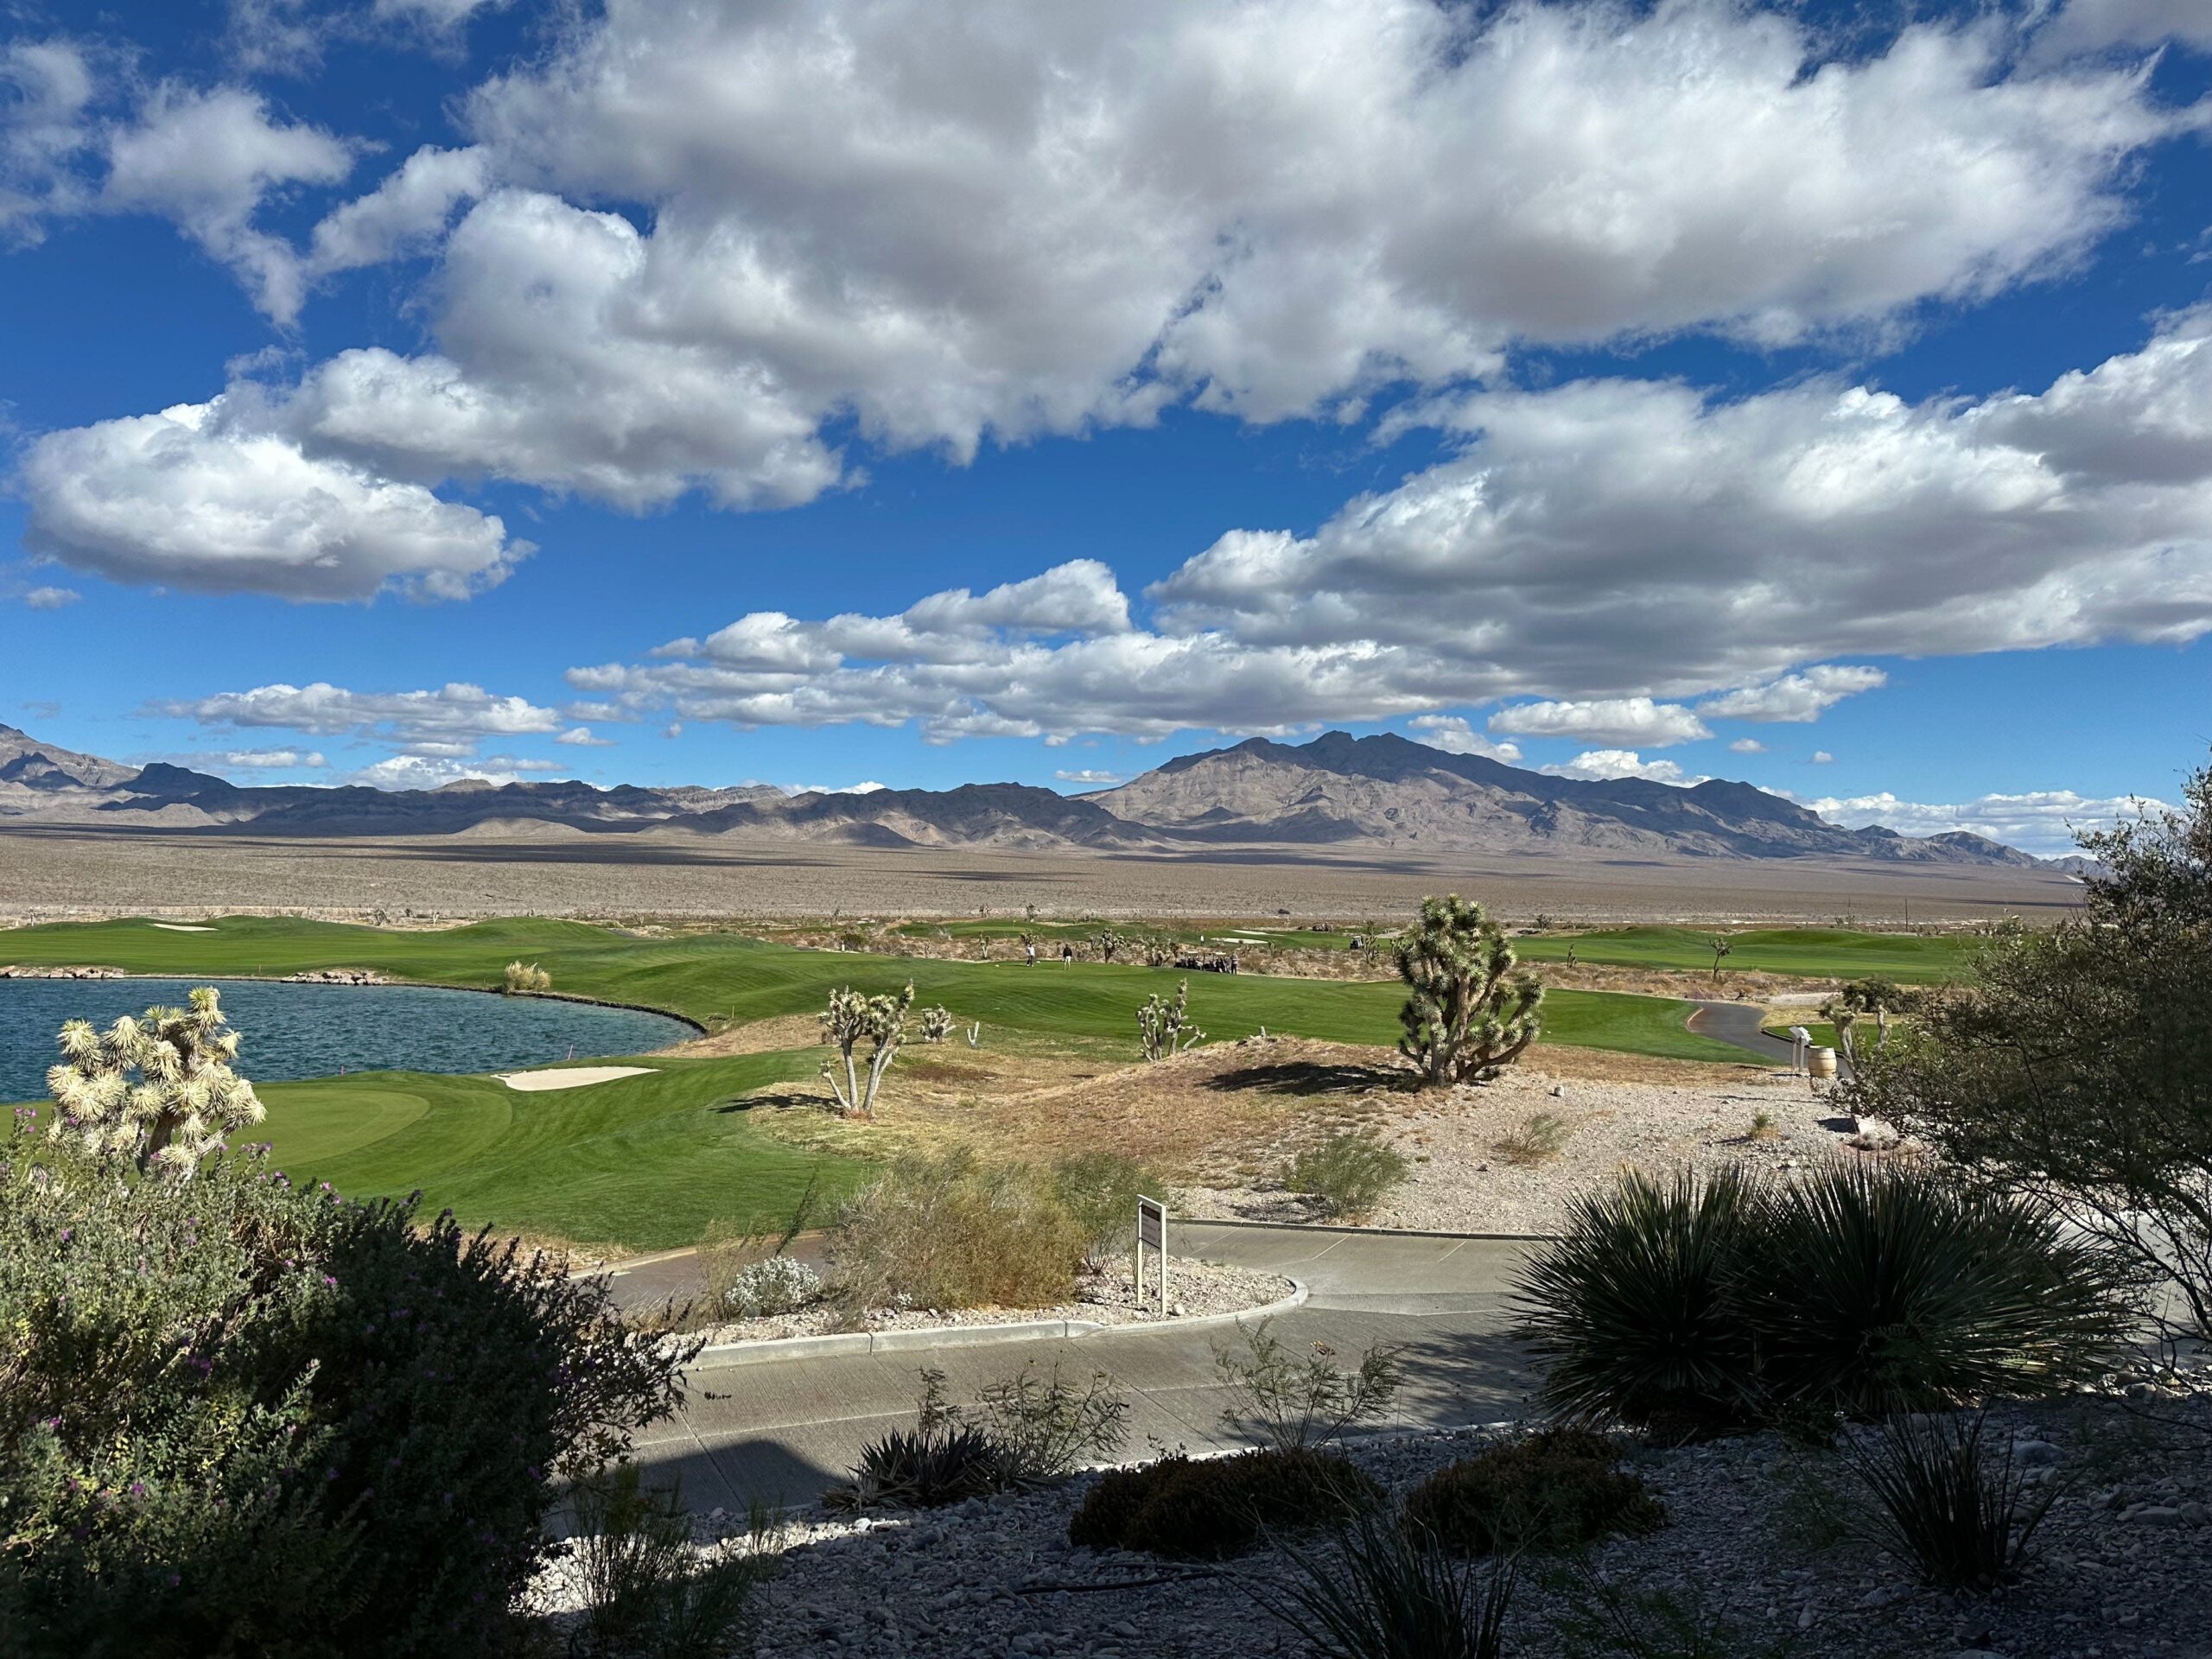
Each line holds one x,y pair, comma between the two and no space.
1338,791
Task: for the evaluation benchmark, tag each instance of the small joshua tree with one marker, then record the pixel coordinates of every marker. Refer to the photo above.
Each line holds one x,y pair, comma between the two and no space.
182,1100
1108,942
1468,1012
937,1024
1160,1027
850,1020
1720,948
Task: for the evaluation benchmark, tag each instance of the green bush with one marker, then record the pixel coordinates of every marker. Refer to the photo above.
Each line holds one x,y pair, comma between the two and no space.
1352,1172
1874,1289
648,1592
1945,1505
1220,1507
1099,1191
1859,1289
1630,1309
950,1233
1031,1428
1551,1491
239,1417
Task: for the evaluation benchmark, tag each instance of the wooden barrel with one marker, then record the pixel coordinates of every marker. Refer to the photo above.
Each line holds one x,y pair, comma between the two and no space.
1820,1062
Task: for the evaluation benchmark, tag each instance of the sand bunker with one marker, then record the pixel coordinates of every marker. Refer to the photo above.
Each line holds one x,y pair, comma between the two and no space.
569,1076
182,927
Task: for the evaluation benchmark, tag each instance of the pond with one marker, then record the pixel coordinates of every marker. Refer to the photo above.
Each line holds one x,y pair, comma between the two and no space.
292,1030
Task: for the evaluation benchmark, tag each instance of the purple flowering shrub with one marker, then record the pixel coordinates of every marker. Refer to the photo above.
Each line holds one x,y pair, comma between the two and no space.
240,1417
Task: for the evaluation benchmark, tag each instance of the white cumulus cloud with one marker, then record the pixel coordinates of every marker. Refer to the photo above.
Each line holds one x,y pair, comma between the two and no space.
2040,822
1604,719
1621,763
1454,735
1796,698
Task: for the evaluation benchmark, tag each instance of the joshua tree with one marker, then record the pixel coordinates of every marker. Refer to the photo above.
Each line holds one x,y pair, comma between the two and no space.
1160,1027
1469,1014
973,1034
851,1019
937,1024
1720,948
185,1098
1108,942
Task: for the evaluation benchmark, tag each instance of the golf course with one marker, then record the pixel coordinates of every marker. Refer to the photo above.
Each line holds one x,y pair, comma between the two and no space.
647,1161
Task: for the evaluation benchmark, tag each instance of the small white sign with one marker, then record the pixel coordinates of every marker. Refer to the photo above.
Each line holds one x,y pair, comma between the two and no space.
1152,1233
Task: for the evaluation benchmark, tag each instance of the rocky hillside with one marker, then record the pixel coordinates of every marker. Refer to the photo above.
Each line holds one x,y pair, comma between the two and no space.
1336,791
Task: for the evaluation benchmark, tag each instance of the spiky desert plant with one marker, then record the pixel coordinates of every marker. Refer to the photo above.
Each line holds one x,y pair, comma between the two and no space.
854,1018
1161,1026
937,1024
1108,942
1946,1505
526,976
1889,1287
159,1090
1721,947
1632,1307
1389,1590
1469,1013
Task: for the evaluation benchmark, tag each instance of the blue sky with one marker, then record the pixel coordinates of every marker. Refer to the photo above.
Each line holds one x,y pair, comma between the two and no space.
825,394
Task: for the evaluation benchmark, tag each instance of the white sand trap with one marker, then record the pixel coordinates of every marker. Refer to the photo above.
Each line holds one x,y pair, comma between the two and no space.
182,927
569,1076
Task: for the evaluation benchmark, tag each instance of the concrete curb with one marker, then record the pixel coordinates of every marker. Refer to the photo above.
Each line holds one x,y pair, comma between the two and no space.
770,1350
1345,1230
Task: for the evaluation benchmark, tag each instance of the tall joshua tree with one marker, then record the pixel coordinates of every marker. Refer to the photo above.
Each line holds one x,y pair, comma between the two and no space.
1469,1013
852,1018
157,1090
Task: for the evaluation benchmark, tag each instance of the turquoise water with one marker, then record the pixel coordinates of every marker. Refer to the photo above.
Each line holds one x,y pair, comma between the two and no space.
289,1031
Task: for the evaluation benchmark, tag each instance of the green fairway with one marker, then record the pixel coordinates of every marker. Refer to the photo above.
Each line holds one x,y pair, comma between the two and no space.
1812,952
726,976
646,1162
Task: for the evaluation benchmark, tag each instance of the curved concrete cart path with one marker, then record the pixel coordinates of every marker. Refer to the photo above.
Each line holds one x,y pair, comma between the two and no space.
783,1430
1744,1025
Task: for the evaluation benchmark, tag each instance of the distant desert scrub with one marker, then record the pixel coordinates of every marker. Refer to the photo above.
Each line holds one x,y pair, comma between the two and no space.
526,976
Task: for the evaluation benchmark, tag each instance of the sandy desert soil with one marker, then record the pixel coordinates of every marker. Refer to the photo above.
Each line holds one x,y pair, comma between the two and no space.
59,874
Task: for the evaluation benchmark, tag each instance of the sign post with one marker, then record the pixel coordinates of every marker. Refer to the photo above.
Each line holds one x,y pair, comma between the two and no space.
1152,1230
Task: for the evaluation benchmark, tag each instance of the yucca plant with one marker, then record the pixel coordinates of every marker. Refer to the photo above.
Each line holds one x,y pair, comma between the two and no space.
159,1090
1947,1506
1631,1310
1875,1288
1389,1590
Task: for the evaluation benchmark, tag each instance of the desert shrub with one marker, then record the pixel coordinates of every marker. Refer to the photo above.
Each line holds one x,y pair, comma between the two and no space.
1217,1507
1043,1426
2075,1064
1873,1288
951,1233
1296,1402
1539,1138
526,976
1630,1307
1390,1591
1023,1431
1947,1506
778,1285
1352,1172
648,1592
1549,1492
1859,1289
1099,1191
235,1416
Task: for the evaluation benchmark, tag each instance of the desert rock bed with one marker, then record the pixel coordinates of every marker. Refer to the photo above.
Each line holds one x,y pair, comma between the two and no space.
1755,1546
1460,1181
1196,1290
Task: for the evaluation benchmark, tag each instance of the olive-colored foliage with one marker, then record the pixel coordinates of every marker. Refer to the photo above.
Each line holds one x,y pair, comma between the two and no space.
1469,1012
236,1416
648,1593
1553,1490
1946,1503
1352,1172
951,1233
2075,1063
1099,1191
1217,1507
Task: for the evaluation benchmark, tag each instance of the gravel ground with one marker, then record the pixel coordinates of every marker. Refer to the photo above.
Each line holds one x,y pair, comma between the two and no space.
1195,1288
1755,1546
1463,1180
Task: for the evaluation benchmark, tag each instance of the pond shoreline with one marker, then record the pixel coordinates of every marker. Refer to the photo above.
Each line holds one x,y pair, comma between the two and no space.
106,975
